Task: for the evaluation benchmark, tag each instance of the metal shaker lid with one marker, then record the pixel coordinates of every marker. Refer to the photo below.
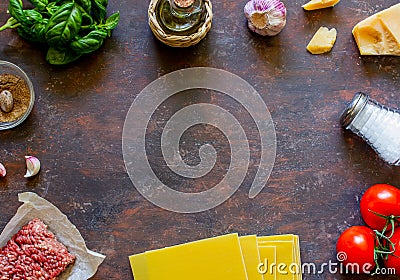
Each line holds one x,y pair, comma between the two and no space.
353,108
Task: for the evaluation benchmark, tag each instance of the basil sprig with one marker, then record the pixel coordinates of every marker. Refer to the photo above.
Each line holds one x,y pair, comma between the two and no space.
70,28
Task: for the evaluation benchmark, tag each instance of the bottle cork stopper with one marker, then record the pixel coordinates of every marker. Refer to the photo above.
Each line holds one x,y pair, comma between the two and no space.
184,3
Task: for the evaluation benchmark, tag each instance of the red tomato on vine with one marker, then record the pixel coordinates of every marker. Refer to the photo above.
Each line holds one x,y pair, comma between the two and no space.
380,203
393,260
356,249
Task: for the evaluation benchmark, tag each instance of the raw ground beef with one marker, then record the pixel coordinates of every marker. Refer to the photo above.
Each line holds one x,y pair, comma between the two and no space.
33,253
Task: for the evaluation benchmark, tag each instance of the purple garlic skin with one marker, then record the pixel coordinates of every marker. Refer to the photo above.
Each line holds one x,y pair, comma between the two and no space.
3,171
265,17
32,166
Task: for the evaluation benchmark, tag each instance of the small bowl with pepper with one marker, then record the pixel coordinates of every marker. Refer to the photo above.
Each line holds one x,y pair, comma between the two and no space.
17,95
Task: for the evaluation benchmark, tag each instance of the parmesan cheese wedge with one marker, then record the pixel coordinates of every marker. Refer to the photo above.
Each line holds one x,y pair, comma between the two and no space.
322,41
319,4
379,34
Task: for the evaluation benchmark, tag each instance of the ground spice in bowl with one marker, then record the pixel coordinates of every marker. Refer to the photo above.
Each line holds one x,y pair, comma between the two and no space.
21,95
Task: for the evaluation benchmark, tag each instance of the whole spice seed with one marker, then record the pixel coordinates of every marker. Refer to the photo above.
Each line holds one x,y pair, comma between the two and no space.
6,101
21,96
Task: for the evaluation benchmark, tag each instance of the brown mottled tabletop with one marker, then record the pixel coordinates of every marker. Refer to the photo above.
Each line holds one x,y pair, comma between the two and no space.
320,170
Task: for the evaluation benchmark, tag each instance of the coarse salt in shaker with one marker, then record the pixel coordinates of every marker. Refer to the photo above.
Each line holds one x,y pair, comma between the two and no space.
377,124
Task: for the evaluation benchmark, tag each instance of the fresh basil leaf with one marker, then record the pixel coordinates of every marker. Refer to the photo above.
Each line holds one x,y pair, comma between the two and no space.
103,3
33,16
60,57
85,4
81,25
64,25
112,21
24,17
40,4
99,11
16,11
26,33
86,17
51,8
35,33
90,42
40,30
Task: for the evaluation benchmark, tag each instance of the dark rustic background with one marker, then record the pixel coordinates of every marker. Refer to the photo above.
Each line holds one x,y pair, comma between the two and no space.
320,171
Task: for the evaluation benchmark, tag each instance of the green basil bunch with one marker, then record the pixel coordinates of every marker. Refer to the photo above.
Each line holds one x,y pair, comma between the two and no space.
70,28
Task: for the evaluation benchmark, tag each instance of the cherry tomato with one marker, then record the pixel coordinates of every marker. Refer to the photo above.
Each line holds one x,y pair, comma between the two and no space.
393,260
355,249
383,199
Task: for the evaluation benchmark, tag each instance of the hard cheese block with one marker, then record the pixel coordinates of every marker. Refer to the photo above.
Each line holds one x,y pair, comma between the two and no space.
322,41
319,4
227,257
380,33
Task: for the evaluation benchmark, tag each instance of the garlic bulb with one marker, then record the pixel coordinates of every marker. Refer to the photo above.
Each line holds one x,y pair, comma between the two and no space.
32,166
3,171
265,17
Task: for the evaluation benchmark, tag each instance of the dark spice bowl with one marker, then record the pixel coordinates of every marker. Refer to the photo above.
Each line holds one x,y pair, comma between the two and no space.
16,81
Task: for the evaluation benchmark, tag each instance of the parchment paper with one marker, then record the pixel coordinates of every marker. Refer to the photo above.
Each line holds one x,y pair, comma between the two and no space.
34,206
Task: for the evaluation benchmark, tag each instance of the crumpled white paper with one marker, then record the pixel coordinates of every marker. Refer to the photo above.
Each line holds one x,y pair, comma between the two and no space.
34,206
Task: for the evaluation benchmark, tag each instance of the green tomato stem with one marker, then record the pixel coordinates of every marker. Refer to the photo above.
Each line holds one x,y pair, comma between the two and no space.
392,219
382,250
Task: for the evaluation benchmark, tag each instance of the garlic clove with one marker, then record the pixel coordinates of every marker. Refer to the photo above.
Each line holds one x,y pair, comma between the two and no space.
265,17
3,171
32,166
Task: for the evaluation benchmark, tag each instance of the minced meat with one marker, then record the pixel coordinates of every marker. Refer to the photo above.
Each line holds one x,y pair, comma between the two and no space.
34,253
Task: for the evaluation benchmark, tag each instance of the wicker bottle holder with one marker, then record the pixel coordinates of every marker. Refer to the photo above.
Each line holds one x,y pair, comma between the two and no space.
176,40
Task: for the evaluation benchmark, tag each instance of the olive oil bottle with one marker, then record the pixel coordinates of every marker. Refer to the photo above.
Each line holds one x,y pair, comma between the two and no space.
181,17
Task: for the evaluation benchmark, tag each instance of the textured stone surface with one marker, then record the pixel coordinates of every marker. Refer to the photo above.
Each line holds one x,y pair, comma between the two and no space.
320,170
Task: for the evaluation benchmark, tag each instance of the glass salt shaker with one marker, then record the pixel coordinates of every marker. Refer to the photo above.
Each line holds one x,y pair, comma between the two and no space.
181,17
377,124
